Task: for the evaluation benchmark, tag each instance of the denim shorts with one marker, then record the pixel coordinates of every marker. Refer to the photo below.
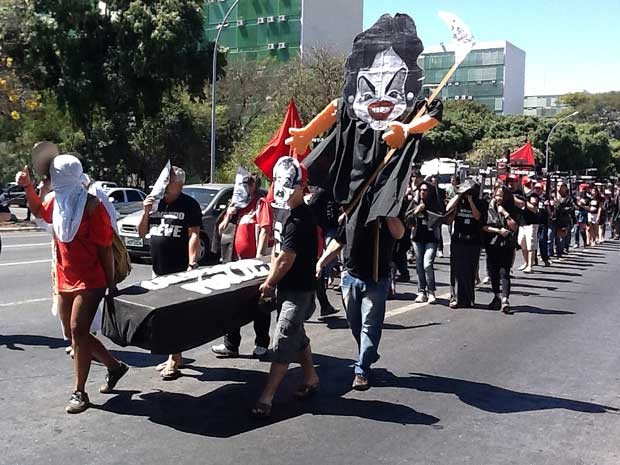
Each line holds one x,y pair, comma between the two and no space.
294,308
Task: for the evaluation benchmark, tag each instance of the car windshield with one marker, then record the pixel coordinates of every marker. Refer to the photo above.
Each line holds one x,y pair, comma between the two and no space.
202,196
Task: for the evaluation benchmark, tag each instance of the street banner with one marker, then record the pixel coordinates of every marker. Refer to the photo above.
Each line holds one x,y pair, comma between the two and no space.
178,312
276,148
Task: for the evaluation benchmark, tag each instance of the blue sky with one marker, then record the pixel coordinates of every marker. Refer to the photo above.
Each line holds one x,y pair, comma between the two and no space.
570,45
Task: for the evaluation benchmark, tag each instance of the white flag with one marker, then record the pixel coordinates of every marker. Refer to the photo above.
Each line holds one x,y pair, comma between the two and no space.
463,39
159,189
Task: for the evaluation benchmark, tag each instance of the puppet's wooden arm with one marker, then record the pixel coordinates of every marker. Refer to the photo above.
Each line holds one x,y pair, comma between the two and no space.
301,138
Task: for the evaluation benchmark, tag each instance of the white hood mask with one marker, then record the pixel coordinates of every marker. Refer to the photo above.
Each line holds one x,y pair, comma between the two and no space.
67,181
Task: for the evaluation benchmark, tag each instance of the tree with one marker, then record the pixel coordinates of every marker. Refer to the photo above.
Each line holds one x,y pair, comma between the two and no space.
112,65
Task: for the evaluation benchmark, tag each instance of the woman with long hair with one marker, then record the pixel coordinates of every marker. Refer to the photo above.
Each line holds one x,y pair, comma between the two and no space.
500,243
423,216
84,267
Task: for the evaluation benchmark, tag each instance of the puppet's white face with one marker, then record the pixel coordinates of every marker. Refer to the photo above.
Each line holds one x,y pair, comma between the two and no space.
285,175
381,97
241,195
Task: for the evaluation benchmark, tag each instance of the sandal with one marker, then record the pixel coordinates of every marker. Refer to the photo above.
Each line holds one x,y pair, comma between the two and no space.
162,366
261,410
170,374
305,391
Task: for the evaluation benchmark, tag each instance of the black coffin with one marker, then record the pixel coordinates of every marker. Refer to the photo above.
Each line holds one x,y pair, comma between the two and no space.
178,312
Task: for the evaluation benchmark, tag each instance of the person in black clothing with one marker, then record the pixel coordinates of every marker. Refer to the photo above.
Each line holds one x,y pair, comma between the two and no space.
562,219
543,222
500,241
424,215
469,216
293,264
175,241
364,298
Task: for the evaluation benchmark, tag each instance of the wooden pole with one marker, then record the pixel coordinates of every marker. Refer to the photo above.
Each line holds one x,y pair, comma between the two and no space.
375,265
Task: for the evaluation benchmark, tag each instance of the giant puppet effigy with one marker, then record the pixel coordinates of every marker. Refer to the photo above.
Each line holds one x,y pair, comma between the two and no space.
365,161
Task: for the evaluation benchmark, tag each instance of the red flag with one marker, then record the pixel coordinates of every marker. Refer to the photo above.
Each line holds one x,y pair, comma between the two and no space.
523,156
276,147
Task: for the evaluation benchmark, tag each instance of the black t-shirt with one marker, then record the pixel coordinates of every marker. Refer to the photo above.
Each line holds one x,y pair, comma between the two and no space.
359,245
421,230
298,234
467,229
497,220
168,227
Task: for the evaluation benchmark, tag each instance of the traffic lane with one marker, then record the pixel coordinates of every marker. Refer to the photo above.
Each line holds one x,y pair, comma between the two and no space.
462,406
470,386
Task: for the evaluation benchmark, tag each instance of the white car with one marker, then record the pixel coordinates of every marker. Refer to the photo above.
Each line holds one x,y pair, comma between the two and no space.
125,200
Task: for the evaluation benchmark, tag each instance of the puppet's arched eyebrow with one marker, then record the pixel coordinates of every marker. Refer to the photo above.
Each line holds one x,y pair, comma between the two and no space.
363,80
398,81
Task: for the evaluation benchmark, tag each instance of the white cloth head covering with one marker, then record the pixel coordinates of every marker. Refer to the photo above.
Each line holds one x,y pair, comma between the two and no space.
67,182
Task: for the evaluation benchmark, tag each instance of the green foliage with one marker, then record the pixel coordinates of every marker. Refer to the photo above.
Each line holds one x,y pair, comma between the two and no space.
602,109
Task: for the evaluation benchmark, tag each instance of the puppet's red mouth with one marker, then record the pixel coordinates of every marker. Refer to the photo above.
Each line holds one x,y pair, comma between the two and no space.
380,110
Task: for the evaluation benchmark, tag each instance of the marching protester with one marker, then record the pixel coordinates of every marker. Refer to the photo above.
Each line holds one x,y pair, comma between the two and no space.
466,240
251,222
528,233
84,268
424,215
562,219
500,246
544,212
174,227
291,280
364,297
581,218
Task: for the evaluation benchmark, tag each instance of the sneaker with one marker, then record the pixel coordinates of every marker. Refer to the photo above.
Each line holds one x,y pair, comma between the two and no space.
224,351
113,377
431,299
547,263
506,307
522,267
439,254
69,350
421,298
259,351
453,304
486,280
495,304
527,270
360,383
78,402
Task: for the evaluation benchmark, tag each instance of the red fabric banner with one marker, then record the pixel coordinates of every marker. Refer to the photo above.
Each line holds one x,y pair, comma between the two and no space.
523,156
276,148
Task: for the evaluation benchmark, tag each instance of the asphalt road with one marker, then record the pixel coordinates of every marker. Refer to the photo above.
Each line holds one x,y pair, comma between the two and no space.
452,387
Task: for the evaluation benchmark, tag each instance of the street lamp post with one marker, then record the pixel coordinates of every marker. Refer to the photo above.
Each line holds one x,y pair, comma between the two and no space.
549,137
213,79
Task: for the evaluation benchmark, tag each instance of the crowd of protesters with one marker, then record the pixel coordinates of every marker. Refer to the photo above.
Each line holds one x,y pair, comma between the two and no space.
308,244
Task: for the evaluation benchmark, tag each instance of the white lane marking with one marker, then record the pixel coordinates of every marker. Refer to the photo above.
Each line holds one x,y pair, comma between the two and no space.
413,306
38,244
22,302
25,263
17,235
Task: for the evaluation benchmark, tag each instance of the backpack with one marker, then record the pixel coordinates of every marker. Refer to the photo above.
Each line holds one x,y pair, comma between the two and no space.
122,262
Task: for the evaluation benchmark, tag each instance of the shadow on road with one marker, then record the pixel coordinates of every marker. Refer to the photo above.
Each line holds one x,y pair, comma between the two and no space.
539,311
490,398
341,323
224,412
11,342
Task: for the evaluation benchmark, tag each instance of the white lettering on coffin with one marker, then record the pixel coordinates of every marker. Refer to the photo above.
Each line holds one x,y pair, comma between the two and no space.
206,280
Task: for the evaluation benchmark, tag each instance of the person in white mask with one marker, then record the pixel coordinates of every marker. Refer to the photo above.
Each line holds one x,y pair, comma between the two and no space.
84,266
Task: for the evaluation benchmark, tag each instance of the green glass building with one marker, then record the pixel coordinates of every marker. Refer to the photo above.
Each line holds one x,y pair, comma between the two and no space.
493,74
282,29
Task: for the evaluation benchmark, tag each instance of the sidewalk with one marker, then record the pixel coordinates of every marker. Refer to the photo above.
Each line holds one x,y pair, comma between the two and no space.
21,224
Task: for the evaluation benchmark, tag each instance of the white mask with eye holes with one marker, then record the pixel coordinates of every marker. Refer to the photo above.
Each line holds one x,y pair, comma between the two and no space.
241,195
286,175
381,97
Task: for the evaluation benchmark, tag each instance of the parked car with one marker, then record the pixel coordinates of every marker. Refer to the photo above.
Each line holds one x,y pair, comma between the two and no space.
125,200
213,199
15,196
105,185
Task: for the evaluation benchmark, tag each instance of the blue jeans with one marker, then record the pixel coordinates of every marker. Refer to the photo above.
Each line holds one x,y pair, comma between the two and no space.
424,260
364,303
